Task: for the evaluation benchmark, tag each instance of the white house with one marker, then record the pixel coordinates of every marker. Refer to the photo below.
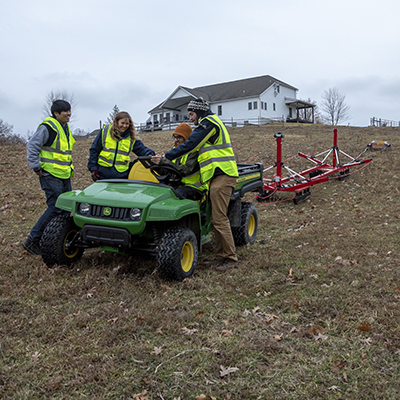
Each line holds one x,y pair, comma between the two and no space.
258,100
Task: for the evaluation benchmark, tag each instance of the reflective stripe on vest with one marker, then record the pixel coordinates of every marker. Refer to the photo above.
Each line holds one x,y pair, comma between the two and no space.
57,158
115,153
193,180
217,155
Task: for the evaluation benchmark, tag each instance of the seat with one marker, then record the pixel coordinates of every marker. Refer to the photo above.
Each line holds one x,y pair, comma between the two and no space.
139,172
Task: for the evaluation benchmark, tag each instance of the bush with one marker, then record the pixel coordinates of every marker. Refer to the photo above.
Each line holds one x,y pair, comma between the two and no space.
7,137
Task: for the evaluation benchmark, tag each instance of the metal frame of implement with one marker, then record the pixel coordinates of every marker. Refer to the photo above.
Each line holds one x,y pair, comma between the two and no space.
300,182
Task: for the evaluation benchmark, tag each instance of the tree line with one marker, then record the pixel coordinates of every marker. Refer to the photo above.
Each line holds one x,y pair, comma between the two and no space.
333,110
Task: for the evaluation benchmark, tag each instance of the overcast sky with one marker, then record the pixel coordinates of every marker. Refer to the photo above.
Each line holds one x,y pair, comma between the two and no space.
133,53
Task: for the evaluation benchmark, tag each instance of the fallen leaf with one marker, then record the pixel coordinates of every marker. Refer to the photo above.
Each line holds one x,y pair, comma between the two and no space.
339,365
294,329
54,383
141,396
278,338
157,350
35,356
320,337
227,371
159,331
344,376
188,331
334,388
367,341
113,319
227,333
364,328
270,317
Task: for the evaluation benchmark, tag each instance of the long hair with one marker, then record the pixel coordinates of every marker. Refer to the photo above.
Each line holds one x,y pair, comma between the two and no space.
115,133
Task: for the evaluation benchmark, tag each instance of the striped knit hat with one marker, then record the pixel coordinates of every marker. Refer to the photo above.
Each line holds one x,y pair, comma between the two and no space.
199,106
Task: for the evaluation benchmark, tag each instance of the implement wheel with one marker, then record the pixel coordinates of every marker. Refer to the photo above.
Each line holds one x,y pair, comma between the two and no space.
247,231
57,242
177,254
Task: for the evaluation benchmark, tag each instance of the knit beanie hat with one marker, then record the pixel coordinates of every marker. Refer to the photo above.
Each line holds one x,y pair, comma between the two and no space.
183,130
199,106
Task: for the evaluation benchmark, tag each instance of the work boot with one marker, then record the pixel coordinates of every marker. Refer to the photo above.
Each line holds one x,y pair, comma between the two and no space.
32,246
227,264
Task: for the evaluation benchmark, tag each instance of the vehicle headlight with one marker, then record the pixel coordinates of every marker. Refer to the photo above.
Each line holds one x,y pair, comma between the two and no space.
84,208
135,214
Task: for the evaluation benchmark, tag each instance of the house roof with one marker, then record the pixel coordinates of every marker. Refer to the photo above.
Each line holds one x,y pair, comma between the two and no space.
242,88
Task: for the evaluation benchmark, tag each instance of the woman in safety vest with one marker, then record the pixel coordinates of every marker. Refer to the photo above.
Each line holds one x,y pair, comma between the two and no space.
110,152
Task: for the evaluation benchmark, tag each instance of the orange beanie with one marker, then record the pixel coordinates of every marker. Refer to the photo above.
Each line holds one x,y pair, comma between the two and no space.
183,130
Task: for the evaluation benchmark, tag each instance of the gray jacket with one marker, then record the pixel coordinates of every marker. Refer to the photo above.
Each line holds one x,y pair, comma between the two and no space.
34,147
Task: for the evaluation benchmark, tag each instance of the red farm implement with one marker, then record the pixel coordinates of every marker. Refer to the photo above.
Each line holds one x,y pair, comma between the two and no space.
300,182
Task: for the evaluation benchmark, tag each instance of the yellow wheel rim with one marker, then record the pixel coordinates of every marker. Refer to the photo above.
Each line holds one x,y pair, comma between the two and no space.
187,256
252,226
70,252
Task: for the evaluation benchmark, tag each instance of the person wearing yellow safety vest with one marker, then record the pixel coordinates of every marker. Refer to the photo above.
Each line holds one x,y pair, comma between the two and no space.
110,152
218,168
49,154
187,166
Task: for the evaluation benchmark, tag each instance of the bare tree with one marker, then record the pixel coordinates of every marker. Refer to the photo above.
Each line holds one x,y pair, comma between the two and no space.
7,137
59,95
333,107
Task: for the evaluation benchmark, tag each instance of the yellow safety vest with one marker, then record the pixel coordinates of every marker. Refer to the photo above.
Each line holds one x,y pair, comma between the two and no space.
115,153
217,155
57,158
193,180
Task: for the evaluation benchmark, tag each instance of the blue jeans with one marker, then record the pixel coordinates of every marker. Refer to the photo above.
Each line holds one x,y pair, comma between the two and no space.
52,187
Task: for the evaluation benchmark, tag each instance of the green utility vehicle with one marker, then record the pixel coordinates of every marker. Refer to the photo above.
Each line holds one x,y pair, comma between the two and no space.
143,213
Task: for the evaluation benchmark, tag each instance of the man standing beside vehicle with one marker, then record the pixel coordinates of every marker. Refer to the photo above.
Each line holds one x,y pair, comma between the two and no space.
218,168
49,154
187,166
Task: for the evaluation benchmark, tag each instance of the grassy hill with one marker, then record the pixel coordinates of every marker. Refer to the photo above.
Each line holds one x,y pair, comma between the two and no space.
312,311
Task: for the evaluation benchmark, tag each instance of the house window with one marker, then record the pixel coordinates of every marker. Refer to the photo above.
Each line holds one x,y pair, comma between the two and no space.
265,106
219,110
155,119
262,105
274,106
250,106
255,105
167,117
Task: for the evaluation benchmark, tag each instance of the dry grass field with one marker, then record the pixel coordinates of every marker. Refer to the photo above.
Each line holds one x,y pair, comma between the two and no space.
312,311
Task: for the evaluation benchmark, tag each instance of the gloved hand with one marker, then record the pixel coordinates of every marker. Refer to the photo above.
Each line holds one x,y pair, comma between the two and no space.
95,175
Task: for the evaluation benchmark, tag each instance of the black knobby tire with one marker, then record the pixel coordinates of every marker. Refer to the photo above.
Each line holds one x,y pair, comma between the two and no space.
177,254
55,243
247,231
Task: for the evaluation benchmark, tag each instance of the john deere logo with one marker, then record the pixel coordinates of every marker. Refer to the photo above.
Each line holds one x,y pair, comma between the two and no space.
107,211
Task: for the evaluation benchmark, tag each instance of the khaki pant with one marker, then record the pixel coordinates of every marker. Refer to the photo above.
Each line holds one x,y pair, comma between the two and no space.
221,188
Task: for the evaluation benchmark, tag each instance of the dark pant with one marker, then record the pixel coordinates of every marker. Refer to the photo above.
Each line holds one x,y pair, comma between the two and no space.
52,187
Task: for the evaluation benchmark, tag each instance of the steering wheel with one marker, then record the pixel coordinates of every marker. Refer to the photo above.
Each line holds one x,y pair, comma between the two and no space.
166,175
